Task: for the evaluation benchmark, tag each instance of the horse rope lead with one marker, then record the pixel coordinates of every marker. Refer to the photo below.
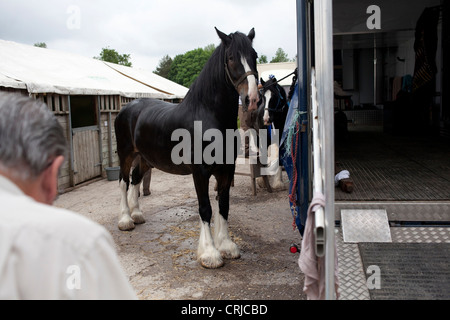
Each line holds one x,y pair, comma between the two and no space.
277,81
266,86
293,196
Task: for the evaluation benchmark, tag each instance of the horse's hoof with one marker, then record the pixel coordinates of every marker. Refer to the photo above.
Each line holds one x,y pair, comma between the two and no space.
138,218
126,225
211,262
230,255
229,250
211,265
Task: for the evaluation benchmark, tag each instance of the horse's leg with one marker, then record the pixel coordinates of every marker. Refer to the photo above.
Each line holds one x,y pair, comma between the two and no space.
227,248
133,200
146,182
207,254
126,223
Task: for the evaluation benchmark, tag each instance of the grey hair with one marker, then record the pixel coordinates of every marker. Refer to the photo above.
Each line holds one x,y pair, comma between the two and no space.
30,137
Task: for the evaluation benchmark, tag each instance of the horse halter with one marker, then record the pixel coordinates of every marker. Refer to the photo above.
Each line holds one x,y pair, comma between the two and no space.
280,97
241,79
281,100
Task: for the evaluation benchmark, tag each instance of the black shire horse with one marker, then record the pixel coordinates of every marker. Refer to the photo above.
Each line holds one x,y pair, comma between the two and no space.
145,128
276,105
273,107
272,113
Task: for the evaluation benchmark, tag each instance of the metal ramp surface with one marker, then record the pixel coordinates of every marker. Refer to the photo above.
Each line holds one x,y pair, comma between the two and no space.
409,271
398,211
414,262
365,226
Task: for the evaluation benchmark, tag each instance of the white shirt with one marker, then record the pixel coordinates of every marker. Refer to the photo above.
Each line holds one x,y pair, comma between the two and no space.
50,253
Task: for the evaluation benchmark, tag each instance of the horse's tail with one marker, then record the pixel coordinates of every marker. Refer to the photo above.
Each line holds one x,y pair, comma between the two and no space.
124,126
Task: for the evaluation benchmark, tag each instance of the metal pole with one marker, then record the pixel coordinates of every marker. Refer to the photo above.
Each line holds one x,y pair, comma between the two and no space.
110,152
71,163
302,63
318,175
301,52
323,22
375,66
99,124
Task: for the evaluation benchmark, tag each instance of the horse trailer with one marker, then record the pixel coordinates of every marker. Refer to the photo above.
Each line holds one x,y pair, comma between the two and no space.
381,66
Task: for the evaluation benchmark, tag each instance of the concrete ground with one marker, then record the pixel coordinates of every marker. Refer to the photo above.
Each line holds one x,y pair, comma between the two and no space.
159,256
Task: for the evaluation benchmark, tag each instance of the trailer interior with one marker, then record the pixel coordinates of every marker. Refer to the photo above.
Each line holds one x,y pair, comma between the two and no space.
392,85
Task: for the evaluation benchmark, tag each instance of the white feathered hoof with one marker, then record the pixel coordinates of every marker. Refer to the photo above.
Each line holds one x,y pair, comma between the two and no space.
126,224
208,256
211,260
229,250
138,217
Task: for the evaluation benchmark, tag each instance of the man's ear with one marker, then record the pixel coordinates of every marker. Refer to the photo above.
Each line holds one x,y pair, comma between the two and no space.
49,181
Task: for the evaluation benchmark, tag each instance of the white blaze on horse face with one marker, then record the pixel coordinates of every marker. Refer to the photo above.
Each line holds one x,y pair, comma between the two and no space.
268,96
252,86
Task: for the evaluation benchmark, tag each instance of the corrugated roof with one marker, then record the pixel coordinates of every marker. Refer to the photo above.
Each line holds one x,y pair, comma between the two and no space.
49,71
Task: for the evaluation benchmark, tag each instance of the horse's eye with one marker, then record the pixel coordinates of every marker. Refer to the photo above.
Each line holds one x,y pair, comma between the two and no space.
231,58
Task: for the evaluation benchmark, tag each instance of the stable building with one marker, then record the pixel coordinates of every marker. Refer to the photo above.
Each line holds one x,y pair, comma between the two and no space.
85,95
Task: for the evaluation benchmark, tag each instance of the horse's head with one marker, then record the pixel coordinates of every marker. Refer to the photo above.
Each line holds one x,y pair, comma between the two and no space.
240,66
275,101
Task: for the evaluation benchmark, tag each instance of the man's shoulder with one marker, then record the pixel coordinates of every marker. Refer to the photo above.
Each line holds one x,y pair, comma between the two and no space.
52,223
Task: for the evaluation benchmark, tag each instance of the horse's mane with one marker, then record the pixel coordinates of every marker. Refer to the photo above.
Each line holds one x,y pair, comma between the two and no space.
204,86
272,82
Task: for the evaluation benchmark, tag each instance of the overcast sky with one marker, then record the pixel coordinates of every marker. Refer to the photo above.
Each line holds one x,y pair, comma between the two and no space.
149,29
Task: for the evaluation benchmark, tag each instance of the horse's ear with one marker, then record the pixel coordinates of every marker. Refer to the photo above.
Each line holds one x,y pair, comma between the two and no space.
263,82
251,34
225,39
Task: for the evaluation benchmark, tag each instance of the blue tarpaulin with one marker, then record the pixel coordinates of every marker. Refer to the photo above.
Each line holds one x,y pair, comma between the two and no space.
293,156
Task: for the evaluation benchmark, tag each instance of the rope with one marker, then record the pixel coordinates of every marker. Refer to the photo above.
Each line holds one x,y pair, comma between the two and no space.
293,130
277,81
293,195
292,149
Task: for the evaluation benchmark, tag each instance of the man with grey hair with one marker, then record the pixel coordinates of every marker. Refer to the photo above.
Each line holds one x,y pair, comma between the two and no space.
46,252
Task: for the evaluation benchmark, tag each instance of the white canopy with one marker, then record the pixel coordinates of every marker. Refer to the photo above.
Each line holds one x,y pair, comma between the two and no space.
279,70
151,80
11,83
48,71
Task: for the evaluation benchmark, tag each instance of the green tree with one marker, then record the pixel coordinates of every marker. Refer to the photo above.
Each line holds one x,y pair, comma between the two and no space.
209,49
280,56
186,67
164,66
111,55
41,45
263,59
